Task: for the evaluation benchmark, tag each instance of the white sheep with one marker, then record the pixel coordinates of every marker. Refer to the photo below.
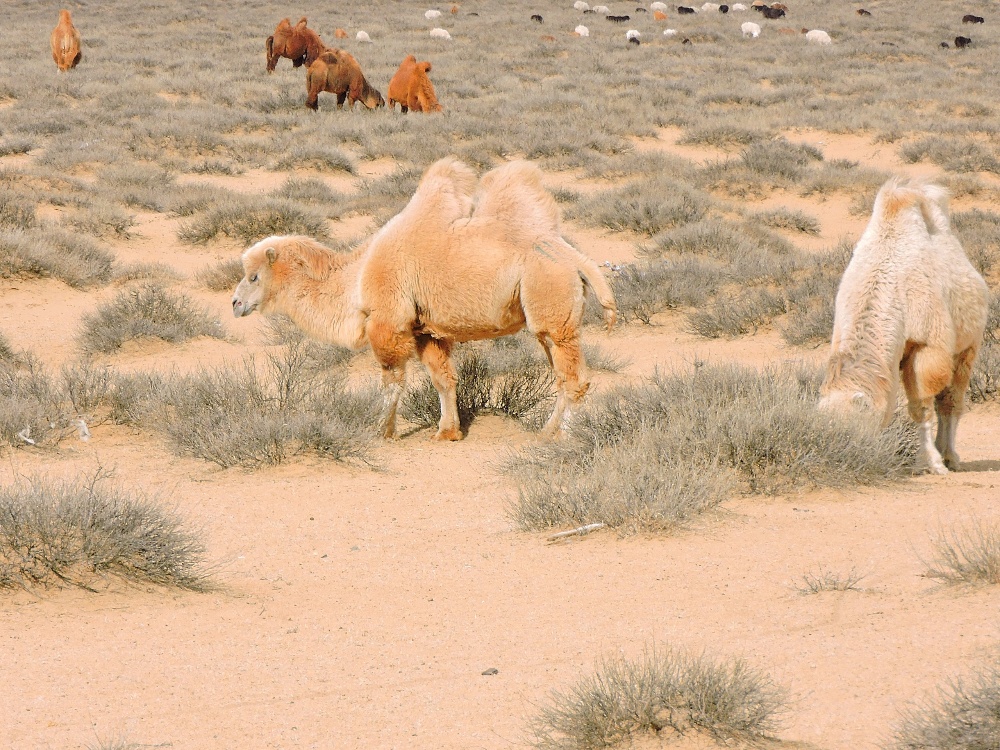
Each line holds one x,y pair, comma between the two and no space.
818,36
601,9
432,14
670,32
582,31
580,5
710,7
440,33
632,34
738,7
363,37
750,29
662,7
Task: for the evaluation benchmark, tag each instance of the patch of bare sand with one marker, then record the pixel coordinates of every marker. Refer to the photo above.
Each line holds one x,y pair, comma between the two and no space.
833,212
667,141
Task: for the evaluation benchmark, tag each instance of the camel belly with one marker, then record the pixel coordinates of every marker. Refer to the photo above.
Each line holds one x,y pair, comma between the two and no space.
462,313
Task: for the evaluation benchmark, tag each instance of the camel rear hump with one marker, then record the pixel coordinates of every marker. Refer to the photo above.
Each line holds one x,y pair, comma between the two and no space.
901,201
513,196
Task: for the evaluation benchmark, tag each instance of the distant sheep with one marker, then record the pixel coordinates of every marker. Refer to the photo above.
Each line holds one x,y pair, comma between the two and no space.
723,9
945,45
670,32
750,29
580,5
537,18
687,41
641,10
362,36
632,34
818,36
772,13
340,34
962,41
440,34
658,6
738,7
581,31
973,19
604,9
618,19
634,41
683,10
432,14
863,12
710,7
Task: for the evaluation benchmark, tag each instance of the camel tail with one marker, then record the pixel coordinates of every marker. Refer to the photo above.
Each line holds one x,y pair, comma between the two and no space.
912,203
591,274
514,197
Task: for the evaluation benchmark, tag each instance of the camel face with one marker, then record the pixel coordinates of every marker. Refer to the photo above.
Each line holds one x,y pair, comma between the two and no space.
250,291
847,402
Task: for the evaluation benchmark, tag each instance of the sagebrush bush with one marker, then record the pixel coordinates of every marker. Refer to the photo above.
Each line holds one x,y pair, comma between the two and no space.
969,554
222,276
653,456
51,252
249,220
963,715
78,533
662,690
146,311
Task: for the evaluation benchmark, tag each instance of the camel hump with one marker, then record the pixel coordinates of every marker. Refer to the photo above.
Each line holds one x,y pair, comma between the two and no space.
901,201
64,15
447,186
514,196
330,56
302,22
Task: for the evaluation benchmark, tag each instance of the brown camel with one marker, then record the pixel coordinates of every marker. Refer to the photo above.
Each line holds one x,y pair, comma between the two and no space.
66,43
338,72
411,87
298,43
399,86
461,262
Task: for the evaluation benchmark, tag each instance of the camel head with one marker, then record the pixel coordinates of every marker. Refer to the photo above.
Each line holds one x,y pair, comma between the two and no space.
847,402
252,291
372,99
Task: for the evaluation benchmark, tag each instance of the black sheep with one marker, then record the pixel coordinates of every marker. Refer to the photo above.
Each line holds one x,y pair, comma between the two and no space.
723,9
772,13
962,41
682,10
973,19
537,18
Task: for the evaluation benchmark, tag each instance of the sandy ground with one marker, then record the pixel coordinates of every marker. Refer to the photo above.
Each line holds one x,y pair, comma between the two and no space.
360,608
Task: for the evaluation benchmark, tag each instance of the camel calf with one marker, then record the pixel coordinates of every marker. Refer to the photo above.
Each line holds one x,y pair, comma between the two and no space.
465,260
910,306
65,42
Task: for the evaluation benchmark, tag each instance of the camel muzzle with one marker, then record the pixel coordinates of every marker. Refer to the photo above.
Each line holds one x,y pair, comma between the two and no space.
240,309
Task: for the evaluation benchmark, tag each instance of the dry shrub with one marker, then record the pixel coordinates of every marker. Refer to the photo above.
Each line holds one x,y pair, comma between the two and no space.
663,690
248,220
222,276
55,253
963,715
78,533
970,554
32,408
651,457
147,311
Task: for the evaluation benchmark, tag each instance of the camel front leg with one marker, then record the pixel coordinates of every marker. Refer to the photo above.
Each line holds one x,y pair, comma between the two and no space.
436,356
926,372
392,349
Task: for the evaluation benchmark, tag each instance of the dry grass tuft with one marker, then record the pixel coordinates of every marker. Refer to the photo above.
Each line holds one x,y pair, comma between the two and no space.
664,690
970,554
149,310
828,580
71,258
222,276
80,533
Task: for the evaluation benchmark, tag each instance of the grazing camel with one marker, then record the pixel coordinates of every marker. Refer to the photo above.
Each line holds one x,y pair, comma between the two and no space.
338,72
461,262
65,42
910,306
298,43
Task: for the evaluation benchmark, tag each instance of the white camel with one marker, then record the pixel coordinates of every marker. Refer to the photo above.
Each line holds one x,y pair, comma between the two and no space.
910,306
461,262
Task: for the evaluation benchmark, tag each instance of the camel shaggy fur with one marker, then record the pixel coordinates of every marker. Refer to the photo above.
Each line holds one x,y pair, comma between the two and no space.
65,42
298,43
338,72
399,85
411,87
461,262
910,306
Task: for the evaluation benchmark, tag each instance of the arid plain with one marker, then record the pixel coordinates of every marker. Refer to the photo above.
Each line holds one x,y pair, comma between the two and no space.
357,604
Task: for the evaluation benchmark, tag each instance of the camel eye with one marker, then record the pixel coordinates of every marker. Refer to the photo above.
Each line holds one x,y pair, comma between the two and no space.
253,279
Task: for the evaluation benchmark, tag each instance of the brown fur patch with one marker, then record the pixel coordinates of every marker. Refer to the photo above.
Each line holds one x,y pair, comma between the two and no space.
420,96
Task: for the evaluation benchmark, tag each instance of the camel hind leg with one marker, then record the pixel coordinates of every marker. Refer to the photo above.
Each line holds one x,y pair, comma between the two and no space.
926,371
950,404
566,357
436,357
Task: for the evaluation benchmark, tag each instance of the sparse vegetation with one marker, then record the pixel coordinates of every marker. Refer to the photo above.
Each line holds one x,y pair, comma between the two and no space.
146,311
969,554
653,457
81,533
829,580
963,715
663,690
249,220
222,276
54,253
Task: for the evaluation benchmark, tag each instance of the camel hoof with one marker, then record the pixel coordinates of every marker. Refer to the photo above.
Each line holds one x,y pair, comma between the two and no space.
452,434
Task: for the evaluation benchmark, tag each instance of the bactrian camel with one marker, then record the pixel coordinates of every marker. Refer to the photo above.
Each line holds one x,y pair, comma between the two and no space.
464,260
910,306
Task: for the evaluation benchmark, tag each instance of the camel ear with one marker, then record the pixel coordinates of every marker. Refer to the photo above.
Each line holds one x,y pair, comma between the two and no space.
426,66
272,255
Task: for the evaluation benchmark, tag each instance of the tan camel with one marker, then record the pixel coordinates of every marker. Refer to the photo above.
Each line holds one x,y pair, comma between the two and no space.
910,306
65,42
456,264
